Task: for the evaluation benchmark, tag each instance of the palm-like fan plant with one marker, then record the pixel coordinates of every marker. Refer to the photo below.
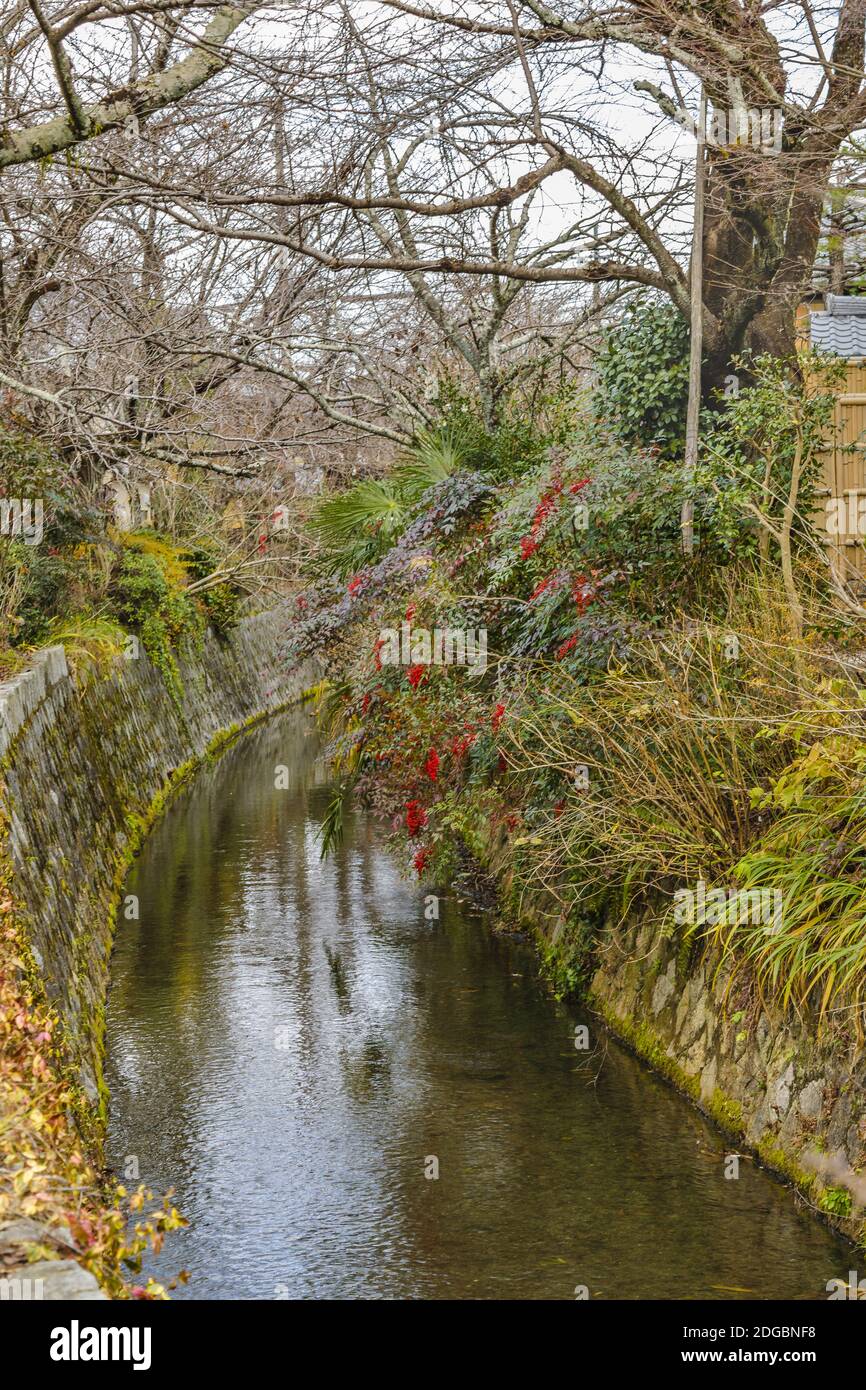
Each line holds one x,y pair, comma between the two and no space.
357,526
434,456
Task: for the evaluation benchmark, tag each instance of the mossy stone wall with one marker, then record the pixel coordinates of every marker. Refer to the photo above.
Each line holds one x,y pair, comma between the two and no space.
793,1096
86,764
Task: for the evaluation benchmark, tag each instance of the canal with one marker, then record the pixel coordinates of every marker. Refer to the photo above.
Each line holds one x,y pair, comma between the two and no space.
354,1099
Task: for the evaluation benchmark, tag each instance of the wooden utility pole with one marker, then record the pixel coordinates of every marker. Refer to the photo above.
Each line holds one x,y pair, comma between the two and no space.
696,278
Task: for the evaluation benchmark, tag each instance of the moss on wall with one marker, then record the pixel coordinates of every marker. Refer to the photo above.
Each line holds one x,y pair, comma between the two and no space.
793,1098
86,770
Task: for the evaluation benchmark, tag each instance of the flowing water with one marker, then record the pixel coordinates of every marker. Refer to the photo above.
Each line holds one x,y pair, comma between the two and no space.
297,1051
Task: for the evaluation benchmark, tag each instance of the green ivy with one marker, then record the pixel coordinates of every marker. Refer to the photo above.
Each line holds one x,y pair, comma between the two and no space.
150,601
643,378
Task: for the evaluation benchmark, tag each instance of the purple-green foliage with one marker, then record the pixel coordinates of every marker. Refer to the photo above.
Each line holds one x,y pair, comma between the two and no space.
330,607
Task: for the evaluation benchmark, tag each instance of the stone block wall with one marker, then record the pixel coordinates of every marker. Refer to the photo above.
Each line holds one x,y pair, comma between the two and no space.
83,760
793,1096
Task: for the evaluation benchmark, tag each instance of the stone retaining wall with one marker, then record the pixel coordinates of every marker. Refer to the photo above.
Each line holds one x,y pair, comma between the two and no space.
796,1099
82,761
86,764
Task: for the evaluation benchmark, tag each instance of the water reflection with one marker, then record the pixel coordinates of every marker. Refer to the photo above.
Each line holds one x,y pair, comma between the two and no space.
291,1046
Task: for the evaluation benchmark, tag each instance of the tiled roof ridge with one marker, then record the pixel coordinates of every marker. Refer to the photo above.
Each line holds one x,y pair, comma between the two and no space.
841,304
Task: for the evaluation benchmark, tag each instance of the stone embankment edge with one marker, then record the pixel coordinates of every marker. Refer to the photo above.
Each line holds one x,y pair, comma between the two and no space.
791,1097
62,1277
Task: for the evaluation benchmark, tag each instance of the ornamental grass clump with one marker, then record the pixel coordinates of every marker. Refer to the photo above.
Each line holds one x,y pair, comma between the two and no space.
672,744
813,854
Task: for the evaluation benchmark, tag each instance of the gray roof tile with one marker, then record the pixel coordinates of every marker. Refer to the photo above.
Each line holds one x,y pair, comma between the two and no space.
839,333
841,304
